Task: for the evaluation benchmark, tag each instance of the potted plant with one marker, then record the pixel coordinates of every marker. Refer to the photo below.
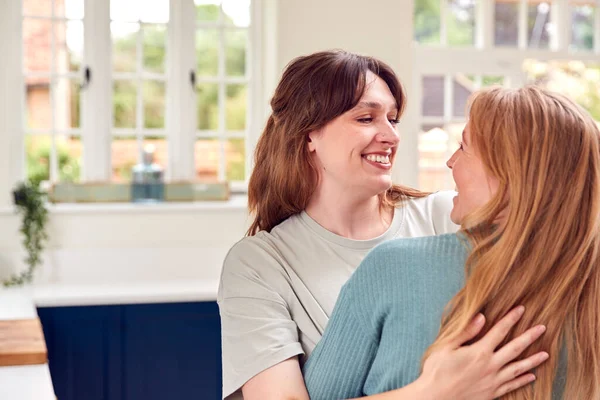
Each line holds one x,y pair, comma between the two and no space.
31,205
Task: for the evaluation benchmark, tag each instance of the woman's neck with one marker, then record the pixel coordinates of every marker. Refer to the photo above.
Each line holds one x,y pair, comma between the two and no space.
359,219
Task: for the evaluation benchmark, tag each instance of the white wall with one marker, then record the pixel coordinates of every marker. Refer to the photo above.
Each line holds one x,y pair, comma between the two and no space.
98,244
378,28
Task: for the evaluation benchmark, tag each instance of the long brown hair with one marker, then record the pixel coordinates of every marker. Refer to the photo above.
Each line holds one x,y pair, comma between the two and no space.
545,152
313,90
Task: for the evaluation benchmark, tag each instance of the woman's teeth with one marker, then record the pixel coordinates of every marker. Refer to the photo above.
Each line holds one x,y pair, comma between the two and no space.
378,158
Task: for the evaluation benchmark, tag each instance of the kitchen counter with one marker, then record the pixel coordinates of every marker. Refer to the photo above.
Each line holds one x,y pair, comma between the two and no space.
56,295
27,382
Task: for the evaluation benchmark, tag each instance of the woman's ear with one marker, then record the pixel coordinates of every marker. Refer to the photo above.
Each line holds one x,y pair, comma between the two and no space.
311,139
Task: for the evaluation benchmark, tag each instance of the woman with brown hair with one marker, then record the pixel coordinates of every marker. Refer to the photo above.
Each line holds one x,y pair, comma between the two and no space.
321,196
522,241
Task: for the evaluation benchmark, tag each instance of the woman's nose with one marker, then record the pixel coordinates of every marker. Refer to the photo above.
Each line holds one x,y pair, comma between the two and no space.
450,162
390,135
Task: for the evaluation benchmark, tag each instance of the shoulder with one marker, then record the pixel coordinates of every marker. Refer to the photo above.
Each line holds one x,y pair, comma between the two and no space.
404,255
433,210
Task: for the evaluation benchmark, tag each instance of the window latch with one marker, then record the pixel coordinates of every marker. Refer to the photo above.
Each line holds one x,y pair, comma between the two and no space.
193,80
87,78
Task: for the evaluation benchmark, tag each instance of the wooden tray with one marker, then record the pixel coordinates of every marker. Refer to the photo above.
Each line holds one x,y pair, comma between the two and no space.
22,342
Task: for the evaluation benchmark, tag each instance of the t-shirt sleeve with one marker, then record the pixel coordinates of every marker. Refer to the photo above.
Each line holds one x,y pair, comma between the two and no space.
341,361
257,331
440,207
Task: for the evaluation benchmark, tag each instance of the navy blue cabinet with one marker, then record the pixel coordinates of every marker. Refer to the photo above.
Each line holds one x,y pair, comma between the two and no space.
134,352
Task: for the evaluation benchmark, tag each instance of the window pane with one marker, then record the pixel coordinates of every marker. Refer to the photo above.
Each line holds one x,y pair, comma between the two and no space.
507,25
237,12
124,104
37,157
154,104
124,37
492,80
235,49
207,154
436,145
67,104
38,114
208,106
235,152
155,11
69,46
207,52
125,151
582,28
127,10
207,10
539,25
235,107
38,149
72,9
433,96
427,21
573,78
463,86
155,39
161,150
37,8
69,151
461,22
37,51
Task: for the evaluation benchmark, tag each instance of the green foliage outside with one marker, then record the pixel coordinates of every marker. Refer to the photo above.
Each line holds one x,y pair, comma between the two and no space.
38,160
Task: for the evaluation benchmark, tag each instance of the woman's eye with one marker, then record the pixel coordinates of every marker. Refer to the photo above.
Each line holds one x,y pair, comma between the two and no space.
394,121
365,120
460,146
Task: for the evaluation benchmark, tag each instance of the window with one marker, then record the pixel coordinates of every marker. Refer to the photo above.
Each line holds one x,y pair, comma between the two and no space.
463,45
222,46
104,83
139,48
53,57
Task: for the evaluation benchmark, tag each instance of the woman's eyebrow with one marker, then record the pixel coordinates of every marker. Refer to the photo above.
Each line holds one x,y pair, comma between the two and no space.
370,105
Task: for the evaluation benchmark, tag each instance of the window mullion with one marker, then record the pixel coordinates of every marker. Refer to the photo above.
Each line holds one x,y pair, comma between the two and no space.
254,74
181,99
12,100
561,18
54,176
97,96
484,23
222,102
597,28
139,105
522,34
443,22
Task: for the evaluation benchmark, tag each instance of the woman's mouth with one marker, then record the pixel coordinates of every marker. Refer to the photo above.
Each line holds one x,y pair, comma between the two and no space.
378,160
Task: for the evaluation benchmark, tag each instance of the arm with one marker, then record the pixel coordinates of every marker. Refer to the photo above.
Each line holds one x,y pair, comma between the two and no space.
482,373
257,329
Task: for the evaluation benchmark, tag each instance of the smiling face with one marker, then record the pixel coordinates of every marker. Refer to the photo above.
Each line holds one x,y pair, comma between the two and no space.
475,186
356,150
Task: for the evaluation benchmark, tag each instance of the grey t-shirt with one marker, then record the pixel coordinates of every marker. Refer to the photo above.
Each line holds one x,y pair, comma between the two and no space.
278,289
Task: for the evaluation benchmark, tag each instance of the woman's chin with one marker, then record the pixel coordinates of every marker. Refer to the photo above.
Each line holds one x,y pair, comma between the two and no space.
455,216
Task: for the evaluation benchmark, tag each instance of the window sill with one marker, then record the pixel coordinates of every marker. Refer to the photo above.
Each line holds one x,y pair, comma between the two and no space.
235,202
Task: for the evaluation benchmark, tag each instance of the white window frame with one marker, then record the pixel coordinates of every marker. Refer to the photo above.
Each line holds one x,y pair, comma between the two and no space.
53,77
96,124
484,59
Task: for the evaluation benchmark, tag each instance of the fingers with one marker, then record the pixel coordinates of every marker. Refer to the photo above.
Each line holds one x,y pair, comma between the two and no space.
514,384
515,347
470,332
496,335
520,367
